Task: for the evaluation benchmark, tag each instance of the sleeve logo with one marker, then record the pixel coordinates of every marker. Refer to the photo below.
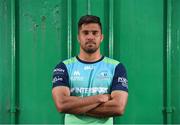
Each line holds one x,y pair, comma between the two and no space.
57,79
124,81
58,70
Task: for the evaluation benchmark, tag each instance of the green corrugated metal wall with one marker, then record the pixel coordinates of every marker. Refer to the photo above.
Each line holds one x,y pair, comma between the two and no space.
176,61
36,35
5,63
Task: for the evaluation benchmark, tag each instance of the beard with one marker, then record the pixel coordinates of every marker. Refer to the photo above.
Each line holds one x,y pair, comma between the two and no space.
90,47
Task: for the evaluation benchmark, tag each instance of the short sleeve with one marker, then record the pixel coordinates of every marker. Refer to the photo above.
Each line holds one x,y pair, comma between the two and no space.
120,81
60,76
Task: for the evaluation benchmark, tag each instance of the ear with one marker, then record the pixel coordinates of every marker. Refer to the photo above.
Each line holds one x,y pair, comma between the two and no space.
78,37
102,37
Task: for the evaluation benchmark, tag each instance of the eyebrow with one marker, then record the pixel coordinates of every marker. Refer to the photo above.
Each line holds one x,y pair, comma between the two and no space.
89,30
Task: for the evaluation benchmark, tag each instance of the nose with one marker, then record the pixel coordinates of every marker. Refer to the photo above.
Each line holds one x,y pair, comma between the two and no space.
90,36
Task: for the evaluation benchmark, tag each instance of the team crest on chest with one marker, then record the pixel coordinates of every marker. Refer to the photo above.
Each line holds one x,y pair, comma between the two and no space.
103,75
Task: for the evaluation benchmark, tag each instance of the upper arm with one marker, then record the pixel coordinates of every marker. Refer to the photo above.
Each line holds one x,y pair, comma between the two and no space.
60,76
60,86
119,89
120,97
58,94
60,91
120,100
120,81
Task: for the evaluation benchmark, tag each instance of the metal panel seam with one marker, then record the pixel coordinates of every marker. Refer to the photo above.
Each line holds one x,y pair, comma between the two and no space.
169,65
13,65
111,28
69,28
88,6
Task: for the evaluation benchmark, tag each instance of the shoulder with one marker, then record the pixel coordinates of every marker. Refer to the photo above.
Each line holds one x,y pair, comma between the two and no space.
120,69
66,61
110,61
62,65
119,66
70,60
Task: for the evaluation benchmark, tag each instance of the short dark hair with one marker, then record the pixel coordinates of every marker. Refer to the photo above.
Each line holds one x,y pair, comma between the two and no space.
89,19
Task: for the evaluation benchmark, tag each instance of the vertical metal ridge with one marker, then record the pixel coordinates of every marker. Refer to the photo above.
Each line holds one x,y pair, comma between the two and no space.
88,7
168,60
69,28
13,64
111,28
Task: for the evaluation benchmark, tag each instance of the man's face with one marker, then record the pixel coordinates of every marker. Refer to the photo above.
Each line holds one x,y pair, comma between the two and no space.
90,37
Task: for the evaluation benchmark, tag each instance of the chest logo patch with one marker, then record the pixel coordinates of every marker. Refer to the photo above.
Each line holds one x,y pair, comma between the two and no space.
88,67
103,75
76,76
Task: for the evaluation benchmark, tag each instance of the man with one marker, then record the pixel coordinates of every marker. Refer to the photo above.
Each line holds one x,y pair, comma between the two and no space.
90,88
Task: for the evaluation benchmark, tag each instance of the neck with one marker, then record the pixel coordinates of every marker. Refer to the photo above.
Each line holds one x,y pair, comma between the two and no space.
90,57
